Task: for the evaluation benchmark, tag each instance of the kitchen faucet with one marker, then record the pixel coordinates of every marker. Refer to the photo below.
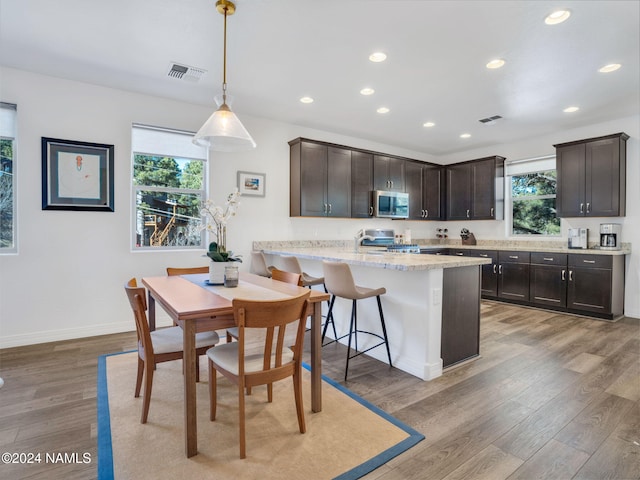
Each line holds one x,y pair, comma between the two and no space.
359,238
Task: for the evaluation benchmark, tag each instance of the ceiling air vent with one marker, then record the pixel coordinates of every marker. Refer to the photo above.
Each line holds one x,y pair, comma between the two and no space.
185,72
490,120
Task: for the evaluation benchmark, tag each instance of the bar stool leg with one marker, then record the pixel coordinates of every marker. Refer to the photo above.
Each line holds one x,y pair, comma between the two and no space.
384,329
330,319
351,331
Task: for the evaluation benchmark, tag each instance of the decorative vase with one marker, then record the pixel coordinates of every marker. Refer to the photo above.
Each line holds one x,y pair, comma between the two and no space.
216,272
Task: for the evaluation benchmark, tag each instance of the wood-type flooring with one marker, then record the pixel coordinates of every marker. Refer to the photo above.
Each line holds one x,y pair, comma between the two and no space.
553,396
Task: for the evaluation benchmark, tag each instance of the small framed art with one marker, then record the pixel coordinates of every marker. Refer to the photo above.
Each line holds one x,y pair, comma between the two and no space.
252,184
76,175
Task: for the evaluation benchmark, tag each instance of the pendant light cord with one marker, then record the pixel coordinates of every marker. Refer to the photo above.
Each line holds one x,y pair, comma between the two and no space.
224,59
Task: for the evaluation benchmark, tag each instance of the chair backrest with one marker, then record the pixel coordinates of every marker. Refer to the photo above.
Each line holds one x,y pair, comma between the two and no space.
290,264
287,277
137,299
259,264
338,279
171,271
273,316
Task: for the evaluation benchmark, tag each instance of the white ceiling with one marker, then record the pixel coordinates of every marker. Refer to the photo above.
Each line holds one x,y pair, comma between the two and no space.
280,50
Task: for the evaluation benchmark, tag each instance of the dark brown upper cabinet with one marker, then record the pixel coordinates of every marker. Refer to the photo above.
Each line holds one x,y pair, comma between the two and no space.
320,180
424,183
475,189
388,173
361,184
592,177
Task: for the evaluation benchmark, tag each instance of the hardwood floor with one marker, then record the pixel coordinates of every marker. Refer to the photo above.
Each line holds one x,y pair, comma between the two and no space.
552,396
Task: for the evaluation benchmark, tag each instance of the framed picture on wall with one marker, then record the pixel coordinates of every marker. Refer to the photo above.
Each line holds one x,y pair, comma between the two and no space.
76,175
251,183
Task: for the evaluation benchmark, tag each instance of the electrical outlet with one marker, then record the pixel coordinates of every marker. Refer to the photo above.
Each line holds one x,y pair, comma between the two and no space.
436,295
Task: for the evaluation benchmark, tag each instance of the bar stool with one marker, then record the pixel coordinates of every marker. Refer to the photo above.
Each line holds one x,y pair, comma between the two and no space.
259,264
291,264
338,280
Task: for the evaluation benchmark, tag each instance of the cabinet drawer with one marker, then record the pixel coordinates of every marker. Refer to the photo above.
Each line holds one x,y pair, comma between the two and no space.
513,257
593,261
540,258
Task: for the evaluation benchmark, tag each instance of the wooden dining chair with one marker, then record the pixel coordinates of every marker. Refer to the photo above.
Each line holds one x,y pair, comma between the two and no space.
273,360
171,271
159,346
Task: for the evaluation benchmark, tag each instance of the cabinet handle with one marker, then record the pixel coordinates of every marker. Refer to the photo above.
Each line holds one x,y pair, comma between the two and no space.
494,268
370,210
515,257
329,208
460,254
571,275
547,259
391,183
467,213
426,213
500,270
491,212
563,275
324,209
588,261
588,207
582,208
483,255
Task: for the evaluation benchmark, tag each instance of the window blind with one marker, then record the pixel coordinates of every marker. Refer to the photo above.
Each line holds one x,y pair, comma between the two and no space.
165,142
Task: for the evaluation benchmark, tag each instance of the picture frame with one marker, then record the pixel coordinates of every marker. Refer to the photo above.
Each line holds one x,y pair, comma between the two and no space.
77,175
252,184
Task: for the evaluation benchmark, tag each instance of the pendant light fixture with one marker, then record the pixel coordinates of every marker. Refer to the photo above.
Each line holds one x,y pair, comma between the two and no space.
223,131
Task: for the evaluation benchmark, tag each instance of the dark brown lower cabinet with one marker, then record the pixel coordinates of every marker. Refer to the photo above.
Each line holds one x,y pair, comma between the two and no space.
489,286
513,276
596,285
460,314
548,280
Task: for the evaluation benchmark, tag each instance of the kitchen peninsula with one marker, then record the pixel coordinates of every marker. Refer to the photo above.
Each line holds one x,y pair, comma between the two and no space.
431,308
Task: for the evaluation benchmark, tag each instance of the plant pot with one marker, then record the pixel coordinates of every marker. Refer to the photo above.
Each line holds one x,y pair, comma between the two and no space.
216,272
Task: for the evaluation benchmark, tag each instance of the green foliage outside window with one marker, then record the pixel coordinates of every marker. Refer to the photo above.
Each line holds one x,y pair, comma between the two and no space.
534,204
6,194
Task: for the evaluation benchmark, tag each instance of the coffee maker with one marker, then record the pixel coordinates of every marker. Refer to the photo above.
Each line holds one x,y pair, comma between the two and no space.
610,236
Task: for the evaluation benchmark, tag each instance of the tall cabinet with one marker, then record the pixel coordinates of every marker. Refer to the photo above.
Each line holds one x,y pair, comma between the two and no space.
425,186
592,177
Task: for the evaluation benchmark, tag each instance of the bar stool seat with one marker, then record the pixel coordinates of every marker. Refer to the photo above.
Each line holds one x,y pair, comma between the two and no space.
339,282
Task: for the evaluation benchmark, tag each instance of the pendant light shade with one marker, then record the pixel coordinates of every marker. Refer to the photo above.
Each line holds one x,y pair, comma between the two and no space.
223,131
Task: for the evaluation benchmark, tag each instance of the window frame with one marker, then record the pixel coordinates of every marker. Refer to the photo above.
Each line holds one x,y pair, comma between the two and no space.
531,165
5,135
136,189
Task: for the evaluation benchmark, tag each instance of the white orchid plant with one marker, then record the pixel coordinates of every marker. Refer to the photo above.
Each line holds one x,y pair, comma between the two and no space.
215,222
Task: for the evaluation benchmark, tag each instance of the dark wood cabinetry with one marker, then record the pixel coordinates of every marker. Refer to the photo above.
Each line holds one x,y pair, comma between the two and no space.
548,280
388,173
424,183
596,285
475,189
320,180
513,276
592,177
361,184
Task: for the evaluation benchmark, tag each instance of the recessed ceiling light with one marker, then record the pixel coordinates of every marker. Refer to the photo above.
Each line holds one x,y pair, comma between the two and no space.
378,57
612,67
306,100
557,17
465,135
383,110
571,109
428,124
496,63
367,91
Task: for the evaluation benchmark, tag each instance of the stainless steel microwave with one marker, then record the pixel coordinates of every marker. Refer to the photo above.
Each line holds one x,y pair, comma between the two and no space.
390,204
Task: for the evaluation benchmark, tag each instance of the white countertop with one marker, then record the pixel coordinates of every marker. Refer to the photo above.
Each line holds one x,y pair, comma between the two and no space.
374,257
537,248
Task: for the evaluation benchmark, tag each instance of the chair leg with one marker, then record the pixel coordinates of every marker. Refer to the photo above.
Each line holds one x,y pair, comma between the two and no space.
213,394
139,376
197,368
384,329
329,319
346,370
297,390
269,392
243,446
146,398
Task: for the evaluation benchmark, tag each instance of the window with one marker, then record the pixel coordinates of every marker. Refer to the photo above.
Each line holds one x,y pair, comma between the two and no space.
533,197
7,178
168,188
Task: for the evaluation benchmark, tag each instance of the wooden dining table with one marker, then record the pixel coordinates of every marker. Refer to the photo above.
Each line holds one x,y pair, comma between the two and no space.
198,307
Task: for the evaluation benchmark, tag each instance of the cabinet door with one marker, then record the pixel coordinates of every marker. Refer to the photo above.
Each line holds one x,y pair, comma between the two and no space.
338,182
388,173
483,197
415,188
432,192
313,180
548,285
361,184
589,289
513,281
489,286
602,178
458,192
397,174
570,191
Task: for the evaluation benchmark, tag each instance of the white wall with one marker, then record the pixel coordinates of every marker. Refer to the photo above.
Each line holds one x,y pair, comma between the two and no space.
66,280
